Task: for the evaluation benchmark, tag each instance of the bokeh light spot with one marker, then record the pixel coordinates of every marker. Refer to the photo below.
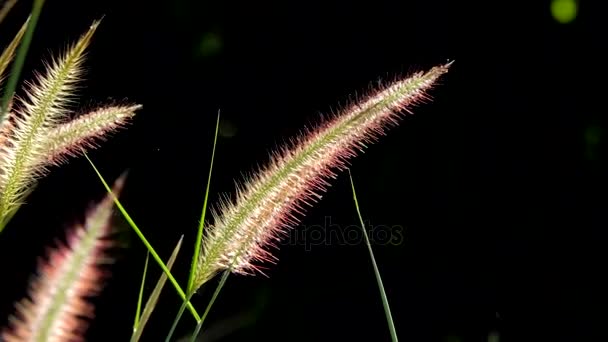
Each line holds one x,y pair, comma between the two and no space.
564,11
227,129
210,44
593,134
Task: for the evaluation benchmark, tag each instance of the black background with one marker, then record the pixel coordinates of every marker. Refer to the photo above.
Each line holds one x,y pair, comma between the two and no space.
497,187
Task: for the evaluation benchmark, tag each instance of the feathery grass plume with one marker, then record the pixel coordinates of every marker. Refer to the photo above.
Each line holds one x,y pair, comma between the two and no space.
58,306
68,139
38,133
275,197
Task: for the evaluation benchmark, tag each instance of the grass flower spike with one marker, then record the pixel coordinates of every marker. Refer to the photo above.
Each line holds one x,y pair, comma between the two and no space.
66,140
58,305
275,197
37,132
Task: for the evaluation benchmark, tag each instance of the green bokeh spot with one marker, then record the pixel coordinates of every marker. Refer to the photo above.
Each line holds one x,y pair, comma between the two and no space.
592,135
227,129
493,337
564,11
210,44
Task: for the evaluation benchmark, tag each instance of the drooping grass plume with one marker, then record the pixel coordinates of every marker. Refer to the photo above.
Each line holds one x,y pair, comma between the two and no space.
58,305
37,132
275,197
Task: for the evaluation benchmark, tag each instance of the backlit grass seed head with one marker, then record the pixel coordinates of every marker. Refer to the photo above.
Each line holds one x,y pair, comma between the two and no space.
58,308
86,131
276,196
37,132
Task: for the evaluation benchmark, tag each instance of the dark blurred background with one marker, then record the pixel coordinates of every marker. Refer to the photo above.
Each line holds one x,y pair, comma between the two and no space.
495,192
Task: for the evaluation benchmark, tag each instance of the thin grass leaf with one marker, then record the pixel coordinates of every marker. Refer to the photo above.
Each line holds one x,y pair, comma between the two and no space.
183,306
153,299
143,239
387,309
58,305
140,296
11,84
199,237
9,52
201,224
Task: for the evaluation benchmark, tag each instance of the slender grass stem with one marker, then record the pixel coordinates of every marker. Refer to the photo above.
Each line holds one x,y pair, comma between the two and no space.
143,239
141,293
199,237
213,298
201,224
177,318
387,309
154,296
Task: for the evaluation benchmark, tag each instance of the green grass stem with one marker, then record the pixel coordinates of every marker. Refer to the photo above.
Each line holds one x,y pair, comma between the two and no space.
387,309
145,241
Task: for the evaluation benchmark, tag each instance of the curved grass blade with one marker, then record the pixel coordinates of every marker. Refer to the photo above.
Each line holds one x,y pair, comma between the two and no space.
153,299
387,309
143,239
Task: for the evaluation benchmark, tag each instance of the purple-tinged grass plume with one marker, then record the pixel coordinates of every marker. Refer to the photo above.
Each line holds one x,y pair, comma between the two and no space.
58,308
66,140
37,131
274,198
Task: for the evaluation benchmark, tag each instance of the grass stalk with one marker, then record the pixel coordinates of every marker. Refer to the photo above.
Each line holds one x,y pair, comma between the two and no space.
201,224
154,296
141,294
143,239
199,237
213,298
387,309
177,318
